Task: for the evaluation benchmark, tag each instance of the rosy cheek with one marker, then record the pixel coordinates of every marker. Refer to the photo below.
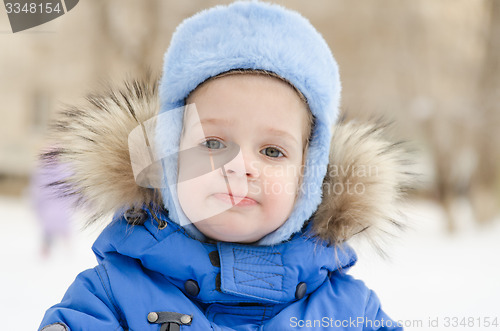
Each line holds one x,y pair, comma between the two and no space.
281,188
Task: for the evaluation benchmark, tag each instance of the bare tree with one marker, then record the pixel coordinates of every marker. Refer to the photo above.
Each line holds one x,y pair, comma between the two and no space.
486,188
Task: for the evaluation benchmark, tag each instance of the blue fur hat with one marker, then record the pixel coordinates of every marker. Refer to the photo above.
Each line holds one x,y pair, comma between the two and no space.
261,36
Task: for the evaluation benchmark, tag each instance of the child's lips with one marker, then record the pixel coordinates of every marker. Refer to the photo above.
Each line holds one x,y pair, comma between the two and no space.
240,201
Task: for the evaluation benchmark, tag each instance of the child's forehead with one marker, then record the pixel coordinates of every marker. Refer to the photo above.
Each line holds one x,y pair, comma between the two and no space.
228,84
249,76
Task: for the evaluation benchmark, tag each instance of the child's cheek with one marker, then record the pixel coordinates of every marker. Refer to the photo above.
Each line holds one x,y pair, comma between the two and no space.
279,197
280,185
193,195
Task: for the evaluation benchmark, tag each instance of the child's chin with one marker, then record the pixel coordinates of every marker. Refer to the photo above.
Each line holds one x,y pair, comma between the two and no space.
227,229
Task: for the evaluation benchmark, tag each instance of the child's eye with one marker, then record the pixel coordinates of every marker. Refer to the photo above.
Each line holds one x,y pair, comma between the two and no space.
213,144
271,152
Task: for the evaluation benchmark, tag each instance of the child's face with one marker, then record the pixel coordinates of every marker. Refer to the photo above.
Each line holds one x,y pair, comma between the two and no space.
258,124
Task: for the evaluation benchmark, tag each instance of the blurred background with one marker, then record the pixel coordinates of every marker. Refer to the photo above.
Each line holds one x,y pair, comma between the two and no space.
431,66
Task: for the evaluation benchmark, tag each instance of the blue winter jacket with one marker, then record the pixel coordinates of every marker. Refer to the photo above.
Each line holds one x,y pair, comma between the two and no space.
152,277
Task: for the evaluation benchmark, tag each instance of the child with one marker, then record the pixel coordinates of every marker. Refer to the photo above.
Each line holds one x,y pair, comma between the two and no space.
54,213
249,229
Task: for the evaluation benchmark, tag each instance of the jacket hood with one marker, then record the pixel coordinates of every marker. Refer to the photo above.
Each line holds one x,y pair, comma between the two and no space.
238,273
366,178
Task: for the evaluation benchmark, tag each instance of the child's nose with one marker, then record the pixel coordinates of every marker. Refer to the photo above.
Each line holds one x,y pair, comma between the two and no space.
243,165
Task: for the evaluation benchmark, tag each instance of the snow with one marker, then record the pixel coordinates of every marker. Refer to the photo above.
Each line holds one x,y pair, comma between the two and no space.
431,275
29,284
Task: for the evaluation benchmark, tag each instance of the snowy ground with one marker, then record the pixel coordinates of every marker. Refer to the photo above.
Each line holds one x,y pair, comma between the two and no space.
431,276
437,281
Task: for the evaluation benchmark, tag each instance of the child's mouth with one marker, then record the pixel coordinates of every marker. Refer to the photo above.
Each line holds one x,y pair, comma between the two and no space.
239,201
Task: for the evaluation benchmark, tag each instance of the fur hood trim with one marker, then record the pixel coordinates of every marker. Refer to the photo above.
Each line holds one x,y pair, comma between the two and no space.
366,176
93,141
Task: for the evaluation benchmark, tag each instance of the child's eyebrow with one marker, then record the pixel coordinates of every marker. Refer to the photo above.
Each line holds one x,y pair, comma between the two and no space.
226,122
217,121
212,121
281,133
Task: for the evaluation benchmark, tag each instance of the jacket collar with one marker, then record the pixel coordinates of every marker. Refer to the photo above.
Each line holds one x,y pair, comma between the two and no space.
226,272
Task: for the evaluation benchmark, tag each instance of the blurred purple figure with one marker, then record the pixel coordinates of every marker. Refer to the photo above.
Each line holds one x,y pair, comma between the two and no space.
53,207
